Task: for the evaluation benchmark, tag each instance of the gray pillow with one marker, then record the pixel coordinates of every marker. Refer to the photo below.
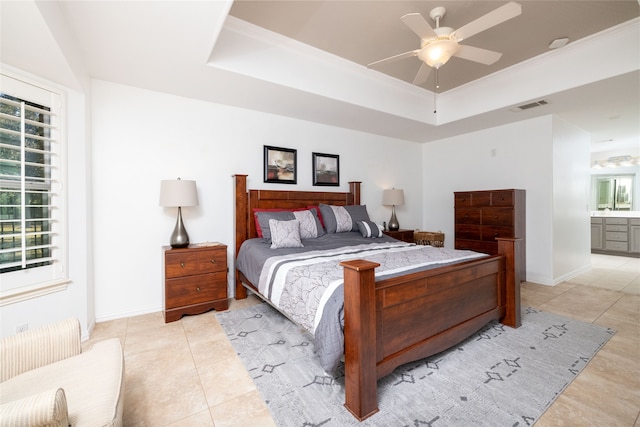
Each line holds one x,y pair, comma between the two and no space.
264,217
357,213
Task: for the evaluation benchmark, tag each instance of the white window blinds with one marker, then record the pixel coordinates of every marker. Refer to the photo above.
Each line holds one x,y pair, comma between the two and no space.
30,200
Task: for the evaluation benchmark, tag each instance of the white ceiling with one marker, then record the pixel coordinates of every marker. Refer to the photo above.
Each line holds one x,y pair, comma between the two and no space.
194,49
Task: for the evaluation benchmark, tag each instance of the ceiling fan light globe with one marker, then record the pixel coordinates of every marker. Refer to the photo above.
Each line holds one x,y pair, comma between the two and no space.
437,54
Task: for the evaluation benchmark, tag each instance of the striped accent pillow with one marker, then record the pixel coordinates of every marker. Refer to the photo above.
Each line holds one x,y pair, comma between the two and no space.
369,229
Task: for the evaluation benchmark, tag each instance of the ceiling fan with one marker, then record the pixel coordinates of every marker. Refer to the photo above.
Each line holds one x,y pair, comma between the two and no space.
438,45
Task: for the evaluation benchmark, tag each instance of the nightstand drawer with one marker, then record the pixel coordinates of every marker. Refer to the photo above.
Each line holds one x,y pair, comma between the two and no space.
186,263
195,289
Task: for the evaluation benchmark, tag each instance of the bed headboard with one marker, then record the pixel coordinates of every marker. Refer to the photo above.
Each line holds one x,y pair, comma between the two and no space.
246,200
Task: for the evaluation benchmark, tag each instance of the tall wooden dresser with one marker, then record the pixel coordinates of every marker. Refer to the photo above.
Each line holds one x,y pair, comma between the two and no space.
481,216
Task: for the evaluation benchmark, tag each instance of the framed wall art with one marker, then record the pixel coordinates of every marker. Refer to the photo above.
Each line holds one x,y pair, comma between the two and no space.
326,169
280,165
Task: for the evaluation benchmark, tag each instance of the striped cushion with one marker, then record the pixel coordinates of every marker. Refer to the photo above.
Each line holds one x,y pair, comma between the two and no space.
369,229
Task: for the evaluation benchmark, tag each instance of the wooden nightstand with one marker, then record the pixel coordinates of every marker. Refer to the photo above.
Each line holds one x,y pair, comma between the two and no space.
195,280
404,235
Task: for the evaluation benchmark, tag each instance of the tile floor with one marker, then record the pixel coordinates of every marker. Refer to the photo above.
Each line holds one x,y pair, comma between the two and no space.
186,373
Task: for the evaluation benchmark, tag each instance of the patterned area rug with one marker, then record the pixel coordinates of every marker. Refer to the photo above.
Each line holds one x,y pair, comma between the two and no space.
498,377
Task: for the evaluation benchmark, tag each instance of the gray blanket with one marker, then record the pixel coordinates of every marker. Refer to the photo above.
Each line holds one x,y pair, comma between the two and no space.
306,285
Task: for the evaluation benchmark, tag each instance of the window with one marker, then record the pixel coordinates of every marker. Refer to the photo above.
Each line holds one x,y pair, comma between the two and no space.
31,204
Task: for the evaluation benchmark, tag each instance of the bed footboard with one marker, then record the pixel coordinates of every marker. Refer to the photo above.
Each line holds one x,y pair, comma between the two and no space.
399,320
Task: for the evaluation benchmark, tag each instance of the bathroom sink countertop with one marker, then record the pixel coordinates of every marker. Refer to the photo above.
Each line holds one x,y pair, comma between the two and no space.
617,214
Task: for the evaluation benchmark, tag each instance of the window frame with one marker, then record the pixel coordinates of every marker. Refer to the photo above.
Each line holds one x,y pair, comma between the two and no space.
33,282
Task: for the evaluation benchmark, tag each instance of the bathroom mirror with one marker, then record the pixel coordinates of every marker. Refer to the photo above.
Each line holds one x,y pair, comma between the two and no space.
614,192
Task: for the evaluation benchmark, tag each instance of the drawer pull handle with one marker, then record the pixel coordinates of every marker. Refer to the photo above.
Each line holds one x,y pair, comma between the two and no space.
198,289
466,216
182,264
213,261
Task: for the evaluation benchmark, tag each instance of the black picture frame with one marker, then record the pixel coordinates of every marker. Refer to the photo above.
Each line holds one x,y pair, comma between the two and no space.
326,169
280,165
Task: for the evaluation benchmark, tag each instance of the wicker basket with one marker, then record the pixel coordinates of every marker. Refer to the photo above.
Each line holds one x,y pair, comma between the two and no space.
429,238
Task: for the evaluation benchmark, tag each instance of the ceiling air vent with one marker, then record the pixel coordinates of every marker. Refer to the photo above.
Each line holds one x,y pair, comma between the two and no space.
531,105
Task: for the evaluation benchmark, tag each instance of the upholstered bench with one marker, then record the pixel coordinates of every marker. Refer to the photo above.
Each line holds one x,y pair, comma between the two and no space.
48,380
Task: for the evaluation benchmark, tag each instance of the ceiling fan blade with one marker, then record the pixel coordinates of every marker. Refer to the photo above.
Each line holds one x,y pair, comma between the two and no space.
419,25
497,16
395,57
423,74
476,54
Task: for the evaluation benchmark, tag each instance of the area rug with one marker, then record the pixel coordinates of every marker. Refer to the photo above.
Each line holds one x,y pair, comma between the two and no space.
498,377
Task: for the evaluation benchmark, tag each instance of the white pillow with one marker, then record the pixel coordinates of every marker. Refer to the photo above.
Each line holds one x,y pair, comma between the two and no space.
285,234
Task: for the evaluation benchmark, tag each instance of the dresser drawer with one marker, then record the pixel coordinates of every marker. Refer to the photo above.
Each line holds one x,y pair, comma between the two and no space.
195,289
468,231
621,228
502,198
461,200
634,221
468,216
497,216
490,248
186,263
481,198
490,232
596,220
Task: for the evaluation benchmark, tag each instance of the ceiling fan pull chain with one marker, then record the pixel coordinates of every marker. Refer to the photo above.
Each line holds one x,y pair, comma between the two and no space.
435,91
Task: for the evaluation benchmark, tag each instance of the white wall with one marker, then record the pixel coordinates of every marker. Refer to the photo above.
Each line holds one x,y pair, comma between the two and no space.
141,137
571,187
519,155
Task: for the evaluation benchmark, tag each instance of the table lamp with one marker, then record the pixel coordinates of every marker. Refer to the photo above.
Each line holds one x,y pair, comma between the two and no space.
178,193
393,198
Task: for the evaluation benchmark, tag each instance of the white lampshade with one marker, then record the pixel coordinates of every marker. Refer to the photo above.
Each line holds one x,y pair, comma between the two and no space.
178,192
393,197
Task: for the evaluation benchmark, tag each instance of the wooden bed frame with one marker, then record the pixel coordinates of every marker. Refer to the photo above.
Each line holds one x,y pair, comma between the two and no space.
395,321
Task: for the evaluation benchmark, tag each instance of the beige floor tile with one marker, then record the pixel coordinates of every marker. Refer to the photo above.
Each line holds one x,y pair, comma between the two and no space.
167,400
151,365
582,303
246,410
155,339
206,352
105,330
224,380
201,419
567,411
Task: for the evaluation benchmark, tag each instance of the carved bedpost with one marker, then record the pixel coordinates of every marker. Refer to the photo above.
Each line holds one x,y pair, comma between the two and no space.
361,397
510,248
241,226
354,189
